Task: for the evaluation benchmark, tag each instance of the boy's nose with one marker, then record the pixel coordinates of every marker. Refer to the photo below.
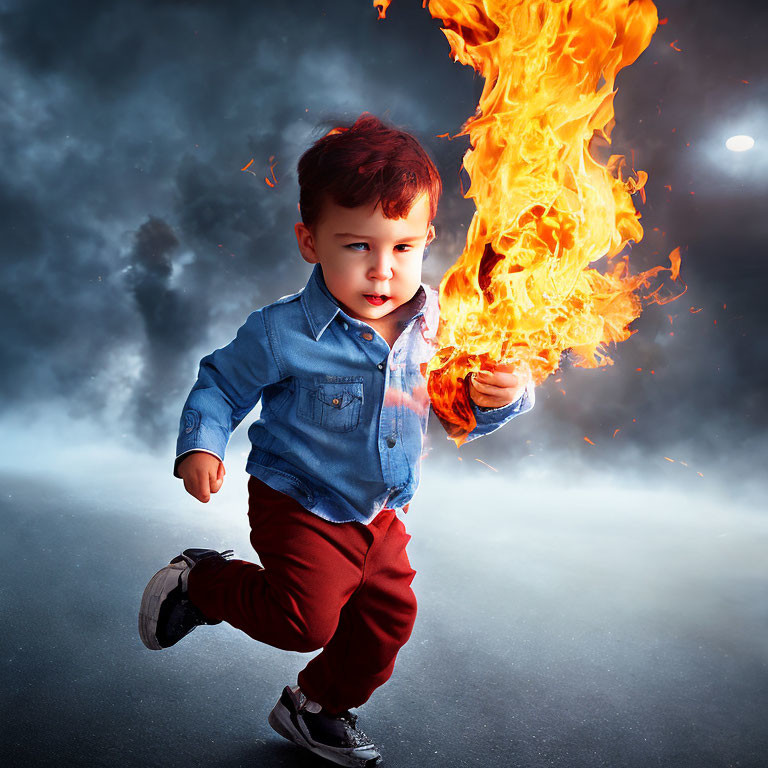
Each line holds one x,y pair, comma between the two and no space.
381,267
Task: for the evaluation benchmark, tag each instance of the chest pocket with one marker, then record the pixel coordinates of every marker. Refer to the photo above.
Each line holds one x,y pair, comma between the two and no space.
333,402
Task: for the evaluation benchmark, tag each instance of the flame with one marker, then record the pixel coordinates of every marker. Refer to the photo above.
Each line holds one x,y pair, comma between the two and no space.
547,208
381,6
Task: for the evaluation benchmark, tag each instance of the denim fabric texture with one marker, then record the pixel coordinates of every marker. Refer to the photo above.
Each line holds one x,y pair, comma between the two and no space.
343,416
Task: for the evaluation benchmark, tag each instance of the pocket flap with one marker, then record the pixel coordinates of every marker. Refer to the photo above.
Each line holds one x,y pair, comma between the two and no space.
336,396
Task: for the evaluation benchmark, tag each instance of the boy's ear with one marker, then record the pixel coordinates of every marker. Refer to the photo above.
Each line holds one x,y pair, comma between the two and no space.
430,235
306,243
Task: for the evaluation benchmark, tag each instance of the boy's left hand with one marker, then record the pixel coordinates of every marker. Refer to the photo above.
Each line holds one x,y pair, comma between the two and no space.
503,385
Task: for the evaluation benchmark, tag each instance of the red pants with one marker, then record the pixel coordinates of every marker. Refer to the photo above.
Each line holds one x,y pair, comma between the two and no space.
342,587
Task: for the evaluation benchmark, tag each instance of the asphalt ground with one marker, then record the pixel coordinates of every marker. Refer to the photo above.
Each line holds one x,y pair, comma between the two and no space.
559,625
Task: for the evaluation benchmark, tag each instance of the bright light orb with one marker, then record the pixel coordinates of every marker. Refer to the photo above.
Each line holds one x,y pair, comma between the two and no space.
740,143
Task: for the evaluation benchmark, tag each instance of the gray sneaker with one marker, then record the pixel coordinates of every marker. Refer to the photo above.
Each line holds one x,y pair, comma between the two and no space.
337,739
166,613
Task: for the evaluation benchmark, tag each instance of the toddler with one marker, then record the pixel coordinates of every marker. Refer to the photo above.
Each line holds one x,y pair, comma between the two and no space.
338,368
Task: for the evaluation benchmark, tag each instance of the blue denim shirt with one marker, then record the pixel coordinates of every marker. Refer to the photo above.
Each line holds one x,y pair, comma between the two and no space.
343,416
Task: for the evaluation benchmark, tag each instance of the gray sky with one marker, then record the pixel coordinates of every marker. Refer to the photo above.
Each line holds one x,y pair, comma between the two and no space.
133,244
606,606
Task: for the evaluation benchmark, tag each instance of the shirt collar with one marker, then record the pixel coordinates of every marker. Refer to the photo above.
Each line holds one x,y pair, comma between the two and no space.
321,307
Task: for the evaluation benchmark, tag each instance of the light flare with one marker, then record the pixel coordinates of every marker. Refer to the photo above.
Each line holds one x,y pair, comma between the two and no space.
740,143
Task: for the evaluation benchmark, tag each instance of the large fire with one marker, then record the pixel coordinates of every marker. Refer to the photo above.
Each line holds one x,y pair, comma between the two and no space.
524,289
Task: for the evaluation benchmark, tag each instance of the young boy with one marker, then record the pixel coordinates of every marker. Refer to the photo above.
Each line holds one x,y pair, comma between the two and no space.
337,448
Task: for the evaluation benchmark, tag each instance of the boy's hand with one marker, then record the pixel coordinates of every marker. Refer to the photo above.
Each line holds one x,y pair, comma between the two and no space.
203,474
500,387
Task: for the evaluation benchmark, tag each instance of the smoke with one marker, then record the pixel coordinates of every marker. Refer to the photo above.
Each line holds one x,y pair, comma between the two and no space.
133,244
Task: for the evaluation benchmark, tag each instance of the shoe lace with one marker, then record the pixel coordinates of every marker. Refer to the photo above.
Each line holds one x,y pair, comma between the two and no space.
356,735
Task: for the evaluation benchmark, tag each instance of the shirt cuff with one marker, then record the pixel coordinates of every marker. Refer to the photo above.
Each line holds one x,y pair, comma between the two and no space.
186,453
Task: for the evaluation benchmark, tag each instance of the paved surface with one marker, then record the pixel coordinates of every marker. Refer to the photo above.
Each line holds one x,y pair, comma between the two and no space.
557,628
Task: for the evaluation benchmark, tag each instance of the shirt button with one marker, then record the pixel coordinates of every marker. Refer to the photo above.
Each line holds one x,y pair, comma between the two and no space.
367,336
346,325
335,401
391,441
380,366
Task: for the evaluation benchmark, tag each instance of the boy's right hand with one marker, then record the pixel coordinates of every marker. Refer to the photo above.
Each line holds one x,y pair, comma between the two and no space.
202,473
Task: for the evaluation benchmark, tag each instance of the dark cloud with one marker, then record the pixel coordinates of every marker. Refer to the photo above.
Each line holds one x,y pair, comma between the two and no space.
133,243
171,318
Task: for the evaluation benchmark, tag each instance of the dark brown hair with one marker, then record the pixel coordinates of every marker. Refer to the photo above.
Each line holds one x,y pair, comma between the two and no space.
366,162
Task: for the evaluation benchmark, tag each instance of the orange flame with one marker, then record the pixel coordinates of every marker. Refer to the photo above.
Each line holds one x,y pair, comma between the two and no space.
381,6
546,207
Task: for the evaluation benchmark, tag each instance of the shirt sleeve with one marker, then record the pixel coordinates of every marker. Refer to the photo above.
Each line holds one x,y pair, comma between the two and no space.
229,384
490,419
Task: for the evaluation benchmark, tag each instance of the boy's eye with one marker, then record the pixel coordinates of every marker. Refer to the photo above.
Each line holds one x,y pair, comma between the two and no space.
399,248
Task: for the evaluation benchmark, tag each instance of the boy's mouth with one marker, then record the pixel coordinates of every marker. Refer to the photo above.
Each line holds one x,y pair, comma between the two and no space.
376,299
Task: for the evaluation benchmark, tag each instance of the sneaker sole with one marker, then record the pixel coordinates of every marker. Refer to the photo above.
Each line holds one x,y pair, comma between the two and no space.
280,720
160,585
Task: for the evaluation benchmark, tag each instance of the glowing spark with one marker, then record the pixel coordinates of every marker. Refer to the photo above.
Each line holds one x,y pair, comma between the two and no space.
588,440
272,164
616,431
487,465
668,459
673,44
250,163
381,6
674,259
740,143
694,310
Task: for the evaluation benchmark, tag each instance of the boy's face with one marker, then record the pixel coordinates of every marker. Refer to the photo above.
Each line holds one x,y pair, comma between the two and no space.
371,264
